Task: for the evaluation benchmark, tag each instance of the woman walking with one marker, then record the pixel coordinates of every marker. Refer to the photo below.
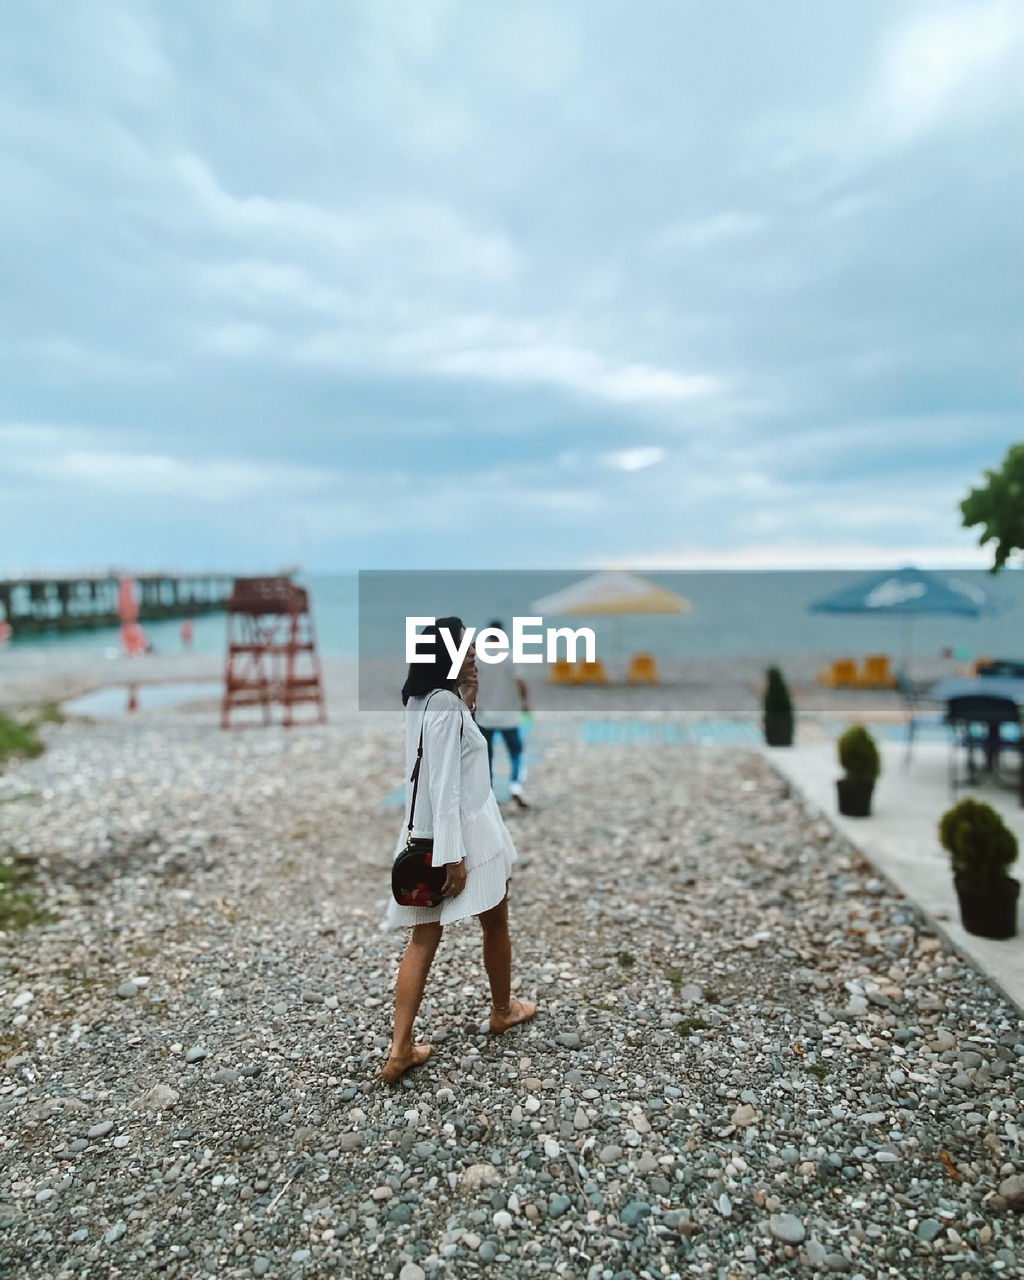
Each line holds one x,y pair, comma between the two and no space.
470,839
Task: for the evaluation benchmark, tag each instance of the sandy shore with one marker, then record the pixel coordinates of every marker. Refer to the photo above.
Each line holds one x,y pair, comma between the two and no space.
728,686
751,1058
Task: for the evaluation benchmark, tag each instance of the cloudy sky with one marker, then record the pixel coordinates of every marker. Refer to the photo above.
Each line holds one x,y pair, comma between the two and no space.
442,283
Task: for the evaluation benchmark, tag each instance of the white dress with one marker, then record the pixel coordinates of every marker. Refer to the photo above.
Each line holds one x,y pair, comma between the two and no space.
456,806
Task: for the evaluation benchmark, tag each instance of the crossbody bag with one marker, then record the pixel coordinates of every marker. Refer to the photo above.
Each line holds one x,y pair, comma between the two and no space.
415,881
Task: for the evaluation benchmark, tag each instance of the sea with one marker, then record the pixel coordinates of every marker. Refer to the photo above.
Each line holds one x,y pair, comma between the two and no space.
750,614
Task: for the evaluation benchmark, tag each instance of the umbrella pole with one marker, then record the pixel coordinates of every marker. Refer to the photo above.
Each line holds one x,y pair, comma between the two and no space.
907,645
617,632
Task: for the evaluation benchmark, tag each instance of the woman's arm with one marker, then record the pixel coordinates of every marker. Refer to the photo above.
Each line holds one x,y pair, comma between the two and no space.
442,748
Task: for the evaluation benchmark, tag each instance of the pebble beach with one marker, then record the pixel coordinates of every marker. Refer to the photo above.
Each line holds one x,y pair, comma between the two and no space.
751,1058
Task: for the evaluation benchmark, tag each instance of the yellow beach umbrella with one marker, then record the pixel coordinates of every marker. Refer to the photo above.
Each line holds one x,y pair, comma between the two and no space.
611,592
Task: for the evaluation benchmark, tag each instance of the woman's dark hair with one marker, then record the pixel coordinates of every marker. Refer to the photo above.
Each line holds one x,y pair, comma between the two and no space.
425,676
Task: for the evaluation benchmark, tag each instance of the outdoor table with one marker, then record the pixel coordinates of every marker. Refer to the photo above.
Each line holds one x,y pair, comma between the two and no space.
990,700
1012,667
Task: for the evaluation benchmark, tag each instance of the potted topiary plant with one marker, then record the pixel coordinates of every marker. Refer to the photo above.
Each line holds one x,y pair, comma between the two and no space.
861,764
981,848
778,710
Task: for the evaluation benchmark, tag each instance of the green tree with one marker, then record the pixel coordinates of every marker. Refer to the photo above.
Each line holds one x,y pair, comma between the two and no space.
998,505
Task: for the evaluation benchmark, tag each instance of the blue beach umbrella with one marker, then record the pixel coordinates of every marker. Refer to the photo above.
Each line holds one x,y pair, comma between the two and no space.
907,594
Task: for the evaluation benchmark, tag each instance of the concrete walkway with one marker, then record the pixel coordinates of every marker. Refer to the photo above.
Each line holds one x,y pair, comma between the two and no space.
901,838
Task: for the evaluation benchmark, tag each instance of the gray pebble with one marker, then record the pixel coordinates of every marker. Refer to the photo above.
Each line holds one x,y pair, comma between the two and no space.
787,1227
1012,1191
636,1211
816,1253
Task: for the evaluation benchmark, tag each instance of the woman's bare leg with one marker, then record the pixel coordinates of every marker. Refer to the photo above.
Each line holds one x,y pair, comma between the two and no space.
409,988
505,1012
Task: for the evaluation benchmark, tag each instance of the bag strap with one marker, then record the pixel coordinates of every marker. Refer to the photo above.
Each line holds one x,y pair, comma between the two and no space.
414,777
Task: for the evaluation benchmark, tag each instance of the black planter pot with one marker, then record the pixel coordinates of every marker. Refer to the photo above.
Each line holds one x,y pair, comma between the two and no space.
989,912
778,731
854,797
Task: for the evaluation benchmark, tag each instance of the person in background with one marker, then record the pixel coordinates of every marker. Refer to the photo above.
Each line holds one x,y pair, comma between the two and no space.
500,702
187,631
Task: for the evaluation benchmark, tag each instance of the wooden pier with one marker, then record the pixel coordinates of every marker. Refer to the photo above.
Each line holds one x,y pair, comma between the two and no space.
33,604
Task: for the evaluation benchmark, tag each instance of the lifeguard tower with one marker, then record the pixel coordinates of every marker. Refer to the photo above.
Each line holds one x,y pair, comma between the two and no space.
272,659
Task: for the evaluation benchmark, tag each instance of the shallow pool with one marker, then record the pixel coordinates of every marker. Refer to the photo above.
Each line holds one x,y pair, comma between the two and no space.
112,699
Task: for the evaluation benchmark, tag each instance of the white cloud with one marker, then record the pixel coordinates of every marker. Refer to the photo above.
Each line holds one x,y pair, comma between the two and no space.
947,62
37,437
142,475
580,370
939,71
240,340
552,254
634,459
266,284
806,553
718,229
415,233
82,361
490,348
284,221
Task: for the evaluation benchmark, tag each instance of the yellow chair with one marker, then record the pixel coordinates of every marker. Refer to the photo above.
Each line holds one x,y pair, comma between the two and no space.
841,675
877,673
591,673
562,672
642,669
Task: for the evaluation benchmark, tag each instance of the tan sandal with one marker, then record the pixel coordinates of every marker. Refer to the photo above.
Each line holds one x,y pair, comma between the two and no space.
395,1068
515,1012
